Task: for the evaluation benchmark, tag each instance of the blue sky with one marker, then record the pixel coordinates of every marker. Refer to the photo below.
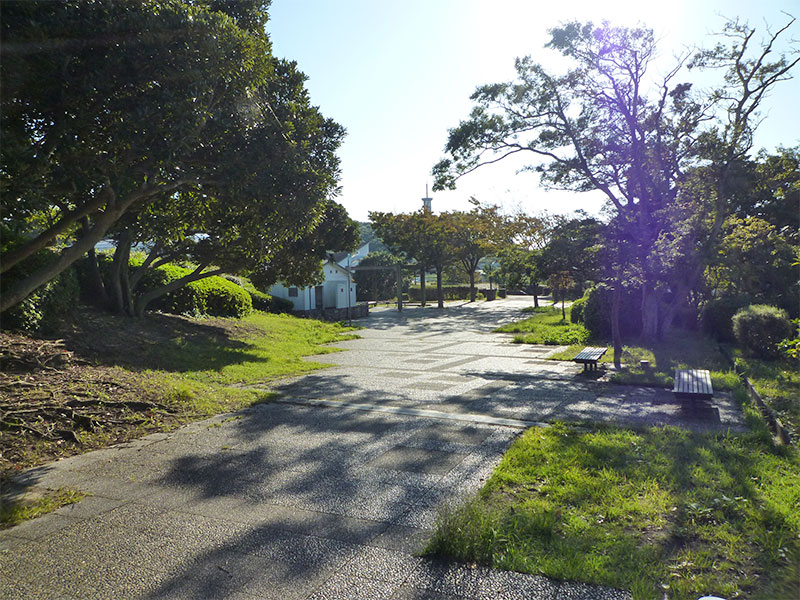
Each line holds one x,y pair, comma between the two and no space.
398,75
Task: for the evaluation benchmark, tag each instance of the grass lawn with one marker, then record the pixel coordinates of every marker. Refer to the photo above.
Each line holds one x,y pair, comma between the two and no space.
778,383
655,512
110,379
680,351
546,326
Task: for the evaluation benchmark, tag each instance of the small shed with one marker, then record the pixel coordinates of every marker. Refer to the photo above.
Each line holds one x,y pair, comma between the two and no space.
331,293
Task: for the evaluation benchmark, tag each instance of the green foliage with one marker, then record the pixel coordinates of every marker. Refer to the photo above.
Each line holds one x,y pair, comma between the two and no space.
654,512
576,310
379,284
42,309
759,329
261,300
214,296
450,292
791,345
597,312
716,317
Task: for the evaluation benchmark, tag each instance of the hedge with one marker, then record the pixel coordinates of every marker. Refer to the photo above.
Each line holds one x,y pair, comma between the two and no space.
759,328
450,292
716,318
214,296
597,312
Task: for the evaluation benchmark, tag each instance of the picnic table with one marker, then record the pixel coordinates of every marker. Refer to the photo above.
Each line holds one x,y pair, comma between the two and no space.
589,357
693,383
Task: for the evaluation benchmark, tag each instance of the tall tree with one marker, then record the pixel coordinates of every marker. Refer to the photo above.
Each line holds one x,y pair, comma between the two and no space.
596,127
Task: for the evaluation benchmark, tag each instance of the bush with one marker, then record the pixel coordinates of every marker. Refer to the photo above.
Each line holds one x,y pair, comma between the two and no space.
213,296
47,305
262,300
716,317
759,328
597,312
576,314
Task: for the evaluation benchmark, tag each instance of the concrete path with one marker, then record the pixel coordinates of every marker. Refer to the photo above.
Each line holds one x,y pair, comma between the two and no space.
330,492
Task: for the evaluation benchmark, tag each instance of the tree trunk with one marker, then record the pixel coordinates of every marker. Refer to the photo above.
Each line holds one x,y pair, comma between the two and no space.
102,223
95,291
649,313
422,285
42,240
439,290
615,332
471,285
119,290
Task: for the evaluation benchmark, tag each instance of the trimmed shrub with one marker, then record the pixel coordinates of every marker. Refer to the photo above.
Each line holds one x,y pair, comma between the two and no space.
262,300
597,312
716,318
576,313
47,305
214,296
759,328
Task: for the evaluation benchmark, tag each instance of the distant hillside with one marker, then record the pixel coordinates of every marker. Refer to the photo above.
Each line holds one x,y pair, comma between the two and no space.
368,235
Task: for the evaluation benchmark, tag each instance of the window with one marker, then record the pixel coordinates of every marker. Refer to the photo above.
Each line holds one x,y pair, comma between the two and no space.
293,292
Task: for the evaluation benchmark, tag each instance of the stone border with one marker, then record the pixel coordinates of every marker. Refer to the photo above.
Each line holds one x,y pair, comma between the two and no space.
780,433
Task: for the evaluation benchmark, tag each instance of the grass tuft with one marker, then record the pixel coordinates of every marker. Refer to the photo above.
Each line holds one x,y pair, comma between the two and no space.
13,513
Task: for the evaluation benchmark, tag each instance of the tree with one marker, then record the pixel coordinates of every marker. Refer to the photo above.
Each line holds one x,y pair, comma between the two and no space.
421,236
377,284
166,123
474,235
595,127
560,282
95,117
574,246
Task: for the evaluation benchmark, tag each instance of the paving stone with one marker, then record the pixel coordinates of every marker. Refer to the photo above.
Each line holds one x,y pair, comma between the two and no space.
417,460
89,506
346,587
42,526
381,564
410,540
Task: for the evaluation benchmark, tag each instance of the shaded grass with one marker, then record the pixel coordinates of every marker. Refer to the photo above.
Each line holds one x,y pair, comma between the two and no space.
546,326
778,383
654,512
179,369
14,513
682,350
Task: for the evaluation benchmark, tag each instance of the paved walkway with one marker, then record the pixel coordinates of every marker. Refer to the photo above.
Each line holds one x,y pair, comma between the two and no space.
330,492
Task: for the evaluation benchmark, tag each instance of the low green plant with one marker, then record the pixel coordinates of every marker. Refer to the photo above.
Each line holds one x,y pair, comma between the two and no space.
716,317
760,328
14,513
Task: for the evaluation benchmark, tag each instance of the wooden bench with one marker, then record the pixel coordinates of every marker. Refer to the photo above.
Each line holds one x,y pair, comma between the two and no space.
589,357
693,383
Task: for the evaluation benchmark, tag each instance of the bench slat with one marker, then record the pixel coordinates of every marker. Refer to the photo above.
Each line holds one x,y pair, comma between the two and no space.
693,382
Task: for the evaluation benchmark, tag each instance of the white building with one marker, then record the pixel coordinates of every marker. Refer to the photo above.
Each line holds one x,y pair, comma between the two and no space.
331,293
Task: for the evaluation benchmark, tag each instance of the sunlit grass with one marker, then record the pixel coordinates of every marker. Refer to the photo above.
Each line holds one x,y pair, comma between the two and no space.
546,326
14,513
654,512
204,374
